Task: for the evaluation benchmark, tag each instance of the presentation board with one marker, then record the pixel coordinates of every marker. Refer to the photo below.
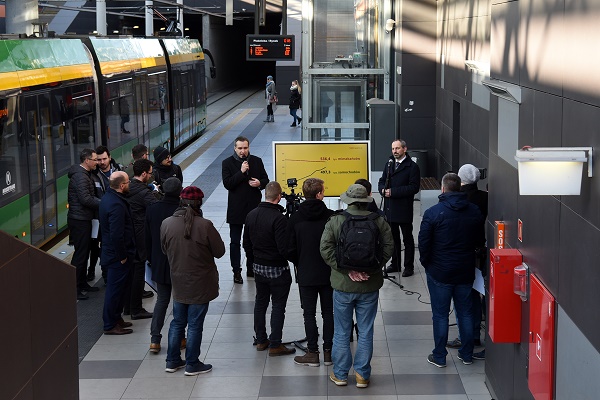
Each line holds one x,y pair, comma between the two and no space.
339,164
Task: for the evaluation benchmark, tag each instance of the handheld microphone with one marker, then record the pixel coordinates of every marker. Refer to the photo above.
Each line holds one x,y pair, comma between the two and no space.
245,159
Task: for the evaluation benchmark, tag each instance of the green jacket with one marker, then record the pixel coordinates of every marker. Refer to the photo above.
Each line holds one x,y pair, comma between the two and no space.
339,277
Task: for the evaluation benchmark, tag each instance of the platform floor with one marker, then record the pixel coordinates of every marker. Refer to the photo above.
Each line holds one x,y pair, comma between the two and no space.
121,367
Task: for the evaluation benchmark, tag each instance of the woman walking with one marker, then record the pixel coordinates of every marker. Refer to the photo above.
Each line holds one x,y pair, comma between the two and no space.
295,102
271,96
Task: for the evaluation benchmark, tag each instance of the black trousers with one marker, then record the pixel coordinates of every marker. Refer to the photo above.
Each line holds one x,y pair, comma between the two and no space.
235,249
308,297
409,246
80,236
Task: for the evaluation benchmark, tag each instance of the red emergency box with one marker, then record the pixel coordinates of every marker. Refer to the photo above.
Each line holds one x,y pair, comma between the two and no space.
504,323
541,341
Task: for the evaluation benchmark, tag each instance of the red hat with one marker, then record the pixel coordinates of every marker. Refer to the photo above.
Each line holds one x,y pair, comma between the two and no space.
192,193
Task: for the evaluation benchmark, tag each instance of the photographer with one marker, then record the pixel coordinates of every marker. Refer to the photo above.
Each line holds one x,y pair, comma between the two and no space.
304,229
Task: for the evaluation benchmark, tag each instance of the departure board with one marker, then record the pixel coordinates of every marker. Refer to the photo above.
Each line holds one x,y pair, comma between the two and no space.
339,164
269,48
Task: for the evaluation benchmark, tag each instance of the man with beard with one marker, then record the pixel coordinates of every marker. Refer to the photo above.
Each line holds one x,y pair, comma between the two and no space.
140,197
244,176
118,251
164,167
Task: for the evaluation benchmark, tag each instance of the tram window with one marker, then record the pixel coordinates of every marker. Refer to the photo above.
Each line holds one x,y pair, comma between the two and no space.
13,153
81,101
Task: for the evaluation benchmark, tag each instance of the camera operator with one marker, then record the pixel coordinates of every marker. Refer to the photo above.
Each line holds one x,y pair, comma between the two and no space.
304,229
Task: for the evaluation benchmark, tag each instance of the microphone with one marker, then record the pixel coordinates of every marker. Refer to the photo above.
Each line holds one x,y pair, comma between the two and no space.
245,159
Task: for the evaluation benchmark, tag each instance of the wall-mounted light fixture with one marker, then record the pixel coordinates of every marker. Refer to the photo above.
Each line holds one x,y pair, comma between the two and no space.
505,90
478,66
390,24
555,171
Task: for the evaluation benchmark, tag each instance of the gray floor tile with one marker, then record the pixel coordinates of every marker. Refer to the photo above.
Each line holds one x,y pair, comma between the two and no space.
414,384
380,385
406,317
108,369
160,388
102,389
222,387
283,386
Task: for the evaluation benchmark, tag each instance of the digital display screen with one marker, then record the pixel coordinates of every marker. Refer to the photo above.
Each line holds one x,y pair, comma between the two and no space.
270,48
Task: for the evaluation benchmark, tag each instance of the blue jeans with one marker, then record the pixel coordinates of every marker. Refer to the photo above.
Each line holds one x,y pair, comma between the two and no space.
193,316
276,290
365,307
293,112
163,297
441,294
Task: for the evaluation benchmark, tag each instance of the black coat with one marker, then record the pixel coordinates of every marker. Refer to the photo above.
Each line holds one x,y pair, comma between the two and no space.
448,239
155,214
83,203
265,235
140,197
405,183
163,172
242,198
117,229
304,230
295,99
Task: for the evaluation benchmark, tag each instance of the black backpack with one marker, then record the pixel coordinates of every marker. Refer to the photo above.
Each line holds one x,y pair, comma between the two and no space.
359,246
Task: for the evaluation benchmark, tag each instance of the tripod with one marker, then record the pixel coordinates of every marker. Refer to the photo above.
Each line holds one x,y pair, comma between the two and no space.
386,276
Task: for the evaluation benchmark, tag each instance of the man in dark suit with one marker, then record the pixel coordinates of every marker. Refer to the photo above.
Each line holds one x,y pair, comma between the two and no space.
398,185
118,251
244,176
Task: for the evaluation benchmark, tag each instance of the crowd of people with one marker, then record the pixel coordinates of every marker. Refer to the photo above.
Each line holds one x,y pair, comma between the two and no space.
141,215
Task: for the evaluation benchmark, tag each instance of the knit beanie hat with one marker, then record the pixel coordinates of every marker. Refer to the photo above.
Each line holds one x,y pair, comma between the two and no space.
172,187
468,174
192,193
160,153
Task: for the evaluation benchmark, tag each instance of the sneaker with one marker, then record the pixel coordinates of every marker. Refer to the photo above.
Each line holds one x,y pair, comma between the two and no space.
338,382
310,359
361,382
292,125
431,360
201,368
174,366
327,357
237,278
280,350
154,348
479,355
454,344
464,360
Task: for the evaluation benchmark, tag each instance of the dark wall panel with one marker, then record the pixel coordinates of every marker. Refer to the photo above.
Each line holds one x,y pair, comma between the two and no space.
504,40
419,10
418,133
580,128
59,375
475,126
579,276
417,70
423,102
504,196
419,37
542,42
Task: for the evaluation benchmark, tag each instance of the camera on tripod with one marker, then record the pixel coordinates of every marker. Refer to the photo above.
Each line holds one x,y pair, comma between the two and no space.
292,200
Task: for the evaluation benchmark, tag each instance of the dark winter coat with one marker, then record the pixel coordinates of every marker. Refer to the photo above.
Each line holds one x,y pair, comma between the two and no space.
242,198
140,197
163,172
83,203
480,199
304,229
448,238
116,225
155,214
405,182
265,235
194,275
295,99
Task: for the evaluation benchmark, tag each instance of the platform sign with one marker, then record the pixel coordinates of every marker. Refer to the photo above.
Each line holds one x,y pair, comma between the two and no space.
269,47
339,164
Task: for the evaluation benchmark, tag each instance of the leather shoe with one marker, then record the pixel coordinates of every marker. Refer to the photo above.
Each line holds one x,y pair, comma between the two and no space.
280,350
183,344
117,330
124,324
142,315
154,348
237,277
147,294
91,276
82,296
88,288
390,269
262,346
408,272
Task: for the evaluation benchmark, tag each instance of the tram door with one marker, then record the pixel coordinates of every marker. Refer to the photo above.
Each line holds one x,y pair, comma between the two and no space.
140,84
38,133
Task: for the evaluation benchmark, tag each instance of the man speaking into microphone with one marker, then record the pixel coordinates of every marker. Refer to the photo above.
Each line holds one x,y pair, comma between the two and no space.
400,181
244,176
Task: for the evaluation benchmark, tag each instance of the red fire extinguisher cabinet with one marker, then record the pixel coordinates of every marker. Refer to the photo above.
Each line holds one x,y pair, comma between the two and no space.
504,323
541,341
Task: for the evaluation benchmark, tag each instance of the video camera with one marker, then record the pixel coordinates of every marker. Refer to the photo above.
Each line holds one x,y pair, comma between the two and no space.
293,199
